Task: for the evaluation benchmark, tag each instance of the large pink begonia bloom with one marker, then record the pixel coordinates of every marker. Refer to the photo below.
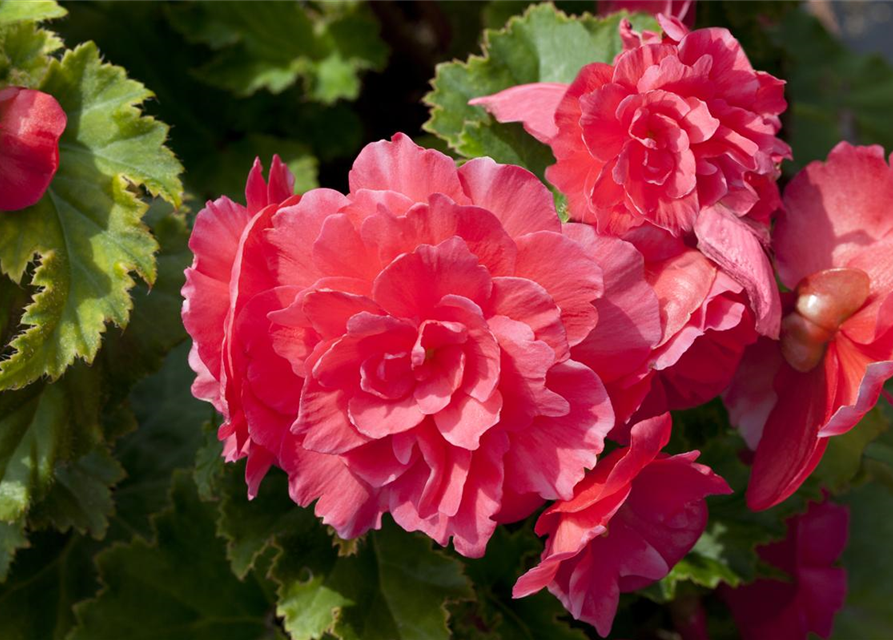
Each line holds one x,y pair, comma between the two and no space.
406,348
31,123
834,249
679,134
682,10
630,521
807,603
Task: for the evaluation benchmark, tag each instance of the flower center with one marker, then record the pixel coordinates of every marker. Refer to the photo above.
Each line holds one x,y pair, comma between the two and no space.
825,300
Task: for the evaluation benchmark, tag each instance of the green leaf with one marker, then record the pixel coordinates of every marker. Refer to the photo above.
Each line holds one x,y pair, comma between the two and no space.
543,45
81,497
13,11
395,588
835,94
42,426
273,45
843,459
55,466
24,54
87,228
179,587
12,538
869,565
250,527
45,583
209,470
169,433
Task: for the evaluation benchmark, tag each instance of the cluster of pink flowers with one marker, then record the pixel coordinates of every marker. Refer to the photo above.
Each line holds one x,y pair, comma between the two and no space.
437,345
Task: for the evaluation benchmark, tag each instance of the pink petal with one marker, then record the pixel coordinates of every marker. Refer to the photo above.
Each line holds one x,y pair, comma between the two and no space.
402,166
345,502
861,380
31,123
629,324
258,194
323,420
439,221
532,104
574,296
295,230
465,419
376,417
527,302
790,448
833,211
525,363
482,353
413,284
728,241
551,455
339,251
751,396
514,195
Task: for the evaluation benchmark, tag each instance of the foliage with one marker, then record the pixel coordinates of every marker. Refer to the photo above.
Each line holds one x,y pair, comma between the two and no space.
117,516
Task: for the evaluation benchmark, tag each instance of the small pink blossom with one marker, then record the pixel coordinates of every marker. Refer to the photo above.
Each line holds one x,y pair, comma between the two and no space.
834,248
408,347
770,609
630,521
678,133
31,123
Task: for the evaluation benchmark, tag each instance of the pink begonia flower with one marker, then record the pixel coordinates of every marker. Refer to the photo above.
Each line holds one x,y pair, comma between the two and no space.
31,123
704,326
406,348
682,10
791,610
834,251
630,521
678,133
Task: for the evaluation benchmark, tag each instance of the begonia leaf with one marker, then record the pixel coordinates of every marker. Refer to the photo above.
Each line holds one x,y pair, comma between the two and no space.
46,581
395,588
178,587
835,93
80,497
869,565
12,538
250,527
542,45
273,45
86,232
55,465
25,54
13,11
843,460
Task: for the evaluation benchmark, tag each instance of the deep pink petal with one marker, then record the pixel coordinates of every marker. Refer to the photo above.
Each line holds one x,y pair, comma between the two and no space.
31,123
